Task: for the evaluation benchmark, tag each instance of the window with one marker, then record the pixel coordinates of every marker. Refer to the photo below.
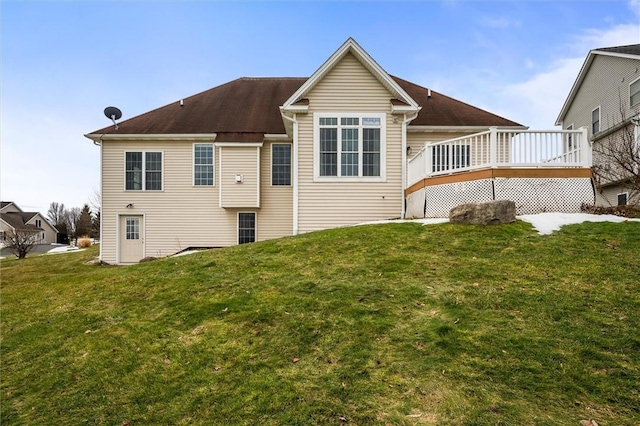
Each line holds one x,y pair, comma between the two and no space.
595,121
132,228
349,145
38,223
280,164
203,164
622,199
246,228
446,157
143,171
634,93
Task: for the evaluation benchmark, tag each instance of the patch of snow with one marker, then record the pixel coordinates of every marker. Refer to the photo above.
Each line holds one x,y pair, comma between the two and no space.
186,252
544,223
63,249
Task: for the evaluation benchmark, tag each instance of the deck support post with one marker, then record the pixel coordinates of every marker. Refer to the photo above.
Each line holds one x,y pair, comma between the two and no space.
585,147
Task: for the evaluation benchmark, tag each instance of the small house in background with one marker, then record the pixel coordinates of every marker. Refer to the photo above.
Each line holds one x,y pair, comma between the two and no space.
605,99
13,218
262,158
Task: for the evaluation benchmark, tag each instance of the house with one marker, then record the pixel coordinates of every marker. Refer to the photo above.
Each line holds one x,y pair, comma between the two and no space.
605,98
262,158
13,219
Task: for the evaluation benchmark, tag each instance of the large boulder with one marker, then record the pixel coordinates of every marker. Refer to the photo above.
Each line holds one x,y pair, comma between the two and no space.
491,212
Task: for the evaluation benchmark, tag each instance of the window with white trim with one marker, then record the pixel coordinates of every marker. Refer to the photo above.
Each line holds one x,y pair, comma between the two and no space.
595,121
38,223
143,171
281,164
349,145
203,164
246,228
634,93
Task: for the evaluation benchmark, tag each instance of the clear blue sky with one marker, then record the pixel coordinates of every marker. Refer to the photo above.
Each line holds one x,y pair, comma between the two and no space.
63,62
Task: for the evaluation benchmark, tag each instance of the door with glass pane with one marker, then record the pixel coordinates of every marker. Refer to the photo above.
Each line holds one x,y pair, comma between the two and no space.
131,239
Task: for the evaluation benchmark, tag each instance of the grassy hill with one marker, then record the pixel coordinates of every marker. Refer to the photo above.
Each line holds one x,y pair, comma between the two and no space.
386,324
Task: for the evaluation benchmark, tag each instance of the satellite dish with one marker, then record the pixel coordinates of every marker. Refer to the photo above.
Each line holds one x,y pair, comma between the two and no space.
113,114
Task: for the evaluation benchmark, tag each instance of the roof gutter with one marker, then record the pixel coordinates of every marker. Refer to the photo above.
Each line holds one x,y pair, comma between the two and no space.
98,138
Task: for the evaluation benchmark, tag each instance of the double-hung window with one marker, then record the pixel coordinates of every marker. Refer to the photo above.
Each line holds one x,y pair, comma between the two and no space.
143,171
595,121
349,145
203,164
281,164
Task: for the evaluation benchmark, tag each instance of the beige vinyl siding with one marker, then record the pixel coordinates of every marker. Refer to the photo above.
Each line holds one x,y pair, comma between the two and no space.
275,217
348,87
605,85
241,161
50,235
180,216
184,215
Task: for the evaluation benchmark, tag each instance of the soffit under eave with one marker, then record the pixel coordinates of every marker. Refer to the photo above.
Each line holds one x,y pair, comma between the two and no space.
351,46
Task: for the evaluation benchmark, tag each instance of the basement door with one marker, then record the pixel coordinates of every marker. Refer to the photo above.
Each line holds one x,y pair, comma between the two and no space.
131,239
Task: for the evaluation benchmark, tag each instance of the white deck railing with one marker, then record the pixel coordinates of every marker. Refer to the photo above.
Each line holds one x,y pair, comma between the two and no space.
501,148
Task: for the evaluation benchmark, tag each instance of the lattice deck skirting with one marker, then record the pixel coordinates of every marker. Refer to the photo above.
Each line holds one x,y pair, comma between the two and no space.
531,194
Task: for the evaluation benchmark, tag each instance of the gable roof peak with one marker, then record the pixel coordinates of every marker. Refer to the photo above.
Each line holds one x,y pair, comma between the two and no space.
352,47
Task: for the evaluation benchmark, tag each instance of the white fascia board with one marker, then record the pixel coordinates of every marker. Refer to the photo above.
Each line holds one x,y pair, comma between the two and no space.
295,109
576,85
209,137
277,137
403,109
354,48
238,144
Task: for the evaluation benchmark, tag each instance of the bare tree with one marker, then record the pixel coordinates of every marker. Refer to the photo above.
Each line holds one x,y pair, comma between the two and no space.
71,220
617,159
20,242
95,201
56,213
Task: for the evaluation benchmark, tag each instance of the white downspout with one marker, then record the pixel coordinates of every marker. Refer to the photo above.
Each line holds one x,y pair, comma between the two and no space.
294,170
405,122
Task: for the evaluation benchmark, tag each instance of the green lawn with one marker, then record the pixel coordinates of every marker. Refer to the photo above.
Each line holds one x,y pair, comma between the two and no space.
397,324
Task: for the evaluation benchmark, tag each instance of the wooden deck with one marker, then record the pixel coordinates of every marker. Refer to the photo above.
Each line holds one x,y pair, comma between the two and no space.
502,172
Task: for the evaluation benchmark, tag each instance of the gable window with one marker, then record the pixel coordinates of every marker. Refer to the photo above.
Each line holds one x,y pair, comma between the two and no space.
634,93
349,145
281,164
143,171
203,164
446,157
595,121
38,223
246,228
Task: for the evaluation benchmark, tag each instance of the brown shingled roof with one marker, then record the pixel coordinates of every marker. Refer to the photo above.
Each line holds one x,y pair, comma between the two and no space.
245,105
441,110
245,109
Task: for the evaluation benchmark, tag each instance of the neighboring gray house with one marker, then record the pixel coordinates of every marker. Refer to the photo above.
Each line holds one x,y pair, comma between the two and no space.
605,98
12,218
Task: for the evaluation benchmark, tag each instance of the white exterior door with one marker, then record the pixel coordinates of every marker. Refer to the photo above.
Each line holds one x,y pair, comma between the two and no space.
131,239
